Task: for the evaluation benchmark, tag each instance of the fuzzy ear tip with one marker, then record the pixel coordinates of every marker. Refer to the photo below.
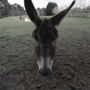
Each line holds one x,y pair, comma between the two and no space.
74,1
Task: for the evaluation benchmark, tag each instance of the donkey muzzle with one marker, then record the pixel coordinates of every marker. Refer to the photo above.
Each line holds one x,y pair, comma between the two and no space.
45,72
45,66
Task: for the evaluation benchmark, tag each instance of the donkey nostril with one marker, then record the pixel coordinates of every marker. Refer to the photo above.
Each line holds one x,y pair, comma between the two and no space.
45,72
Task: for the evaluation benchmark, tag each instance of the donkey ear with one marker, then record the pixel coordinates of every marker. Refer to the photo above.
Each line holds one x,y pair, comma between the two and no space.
57,18
32,13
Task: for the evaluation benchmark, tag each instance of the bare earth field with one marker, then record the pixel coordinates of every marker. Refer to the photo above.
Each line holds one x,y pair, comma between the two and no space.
18,67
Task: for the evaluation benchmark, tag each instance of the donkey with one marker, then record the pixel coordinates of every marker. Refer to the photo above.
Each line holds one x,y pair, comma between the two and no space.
45,36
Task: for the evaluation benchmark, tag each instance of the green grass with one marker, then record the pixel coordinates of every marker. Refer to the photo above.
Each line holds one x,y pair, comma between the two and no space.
77,24
12,27
74,28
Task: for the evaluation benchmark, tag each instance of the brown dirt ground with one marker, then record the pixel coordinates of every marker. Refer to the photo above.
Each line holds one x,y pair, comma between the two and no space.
71,69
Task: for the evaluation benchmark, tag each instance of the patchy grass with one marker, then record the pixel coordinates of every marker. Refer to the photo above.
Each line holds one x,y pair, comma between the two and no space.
12,27
18,68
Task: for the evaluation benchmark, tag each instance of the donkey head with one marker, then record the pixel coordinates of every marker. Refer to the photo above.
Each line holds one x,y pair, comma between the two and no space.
45,36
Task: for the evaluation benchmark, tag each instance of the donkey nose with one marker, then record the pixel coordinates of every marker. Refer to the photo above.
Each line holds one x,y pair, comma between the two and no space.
45,72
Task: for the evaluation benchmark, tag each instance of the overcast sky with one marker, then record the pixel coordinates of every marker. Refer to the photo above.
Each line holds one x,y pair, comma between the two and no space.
43,3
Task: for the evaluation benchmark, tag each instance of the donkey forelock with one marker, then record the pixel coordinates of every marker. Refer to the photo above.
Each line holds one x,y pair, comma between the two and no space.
46,32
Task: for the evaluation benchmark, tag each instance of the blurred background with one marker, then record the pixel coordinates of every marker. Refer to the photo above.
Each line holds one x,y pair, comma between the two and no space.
45,7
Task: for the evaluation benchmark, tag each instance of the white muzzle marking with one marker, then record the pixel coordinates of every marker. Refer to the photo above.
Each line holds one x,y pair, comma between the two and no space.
45,63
